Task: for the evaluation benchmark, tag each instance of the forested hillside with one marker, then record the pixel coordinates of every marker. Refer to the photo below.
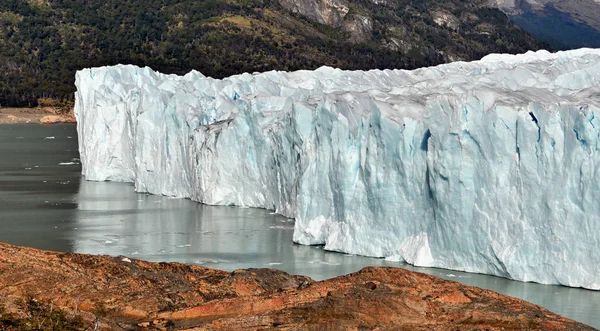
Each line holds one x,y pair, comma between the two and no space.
43,42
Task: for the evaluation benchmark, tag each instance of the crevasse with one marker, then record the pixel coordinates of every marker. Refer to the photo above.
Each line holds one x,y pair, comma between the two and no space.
489,166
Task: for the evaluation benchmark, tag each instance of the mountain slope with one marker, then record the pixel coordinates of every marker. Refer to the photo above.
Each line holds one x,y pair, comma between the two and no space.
561,24
43,42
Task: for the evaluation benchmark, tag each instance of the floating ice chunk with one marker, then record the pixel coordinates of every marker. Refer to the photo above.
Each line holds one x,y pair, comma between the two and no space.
324,262
202,262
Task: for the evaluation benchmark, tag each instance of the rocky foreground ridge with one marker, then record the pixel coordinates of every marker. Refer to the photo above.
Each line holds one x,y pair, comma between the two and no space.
49,290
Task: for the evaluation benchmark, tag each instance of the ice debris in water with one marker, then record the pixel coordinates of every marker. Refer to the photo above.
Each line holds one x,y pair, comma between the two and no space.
488,166
281,227
74,161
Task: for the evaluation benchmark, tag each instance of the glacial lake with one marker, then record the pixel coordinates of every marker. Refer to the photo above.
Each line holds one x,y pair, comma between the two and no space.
45,203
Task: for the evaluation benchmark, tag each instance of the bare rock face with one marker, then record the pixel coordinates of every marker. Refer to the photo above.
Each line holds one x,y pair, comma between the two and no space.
360,28
41,289
400,39
329,12
335,14
446,19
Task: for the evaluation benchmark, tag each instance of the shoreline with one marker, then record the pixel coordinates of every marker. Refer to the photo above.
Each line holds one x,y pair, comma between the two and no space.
111,293
37,115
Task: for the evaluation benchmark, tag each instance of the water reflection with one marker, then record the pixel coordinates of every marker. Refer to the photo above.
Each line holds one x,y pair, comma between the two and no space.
112,219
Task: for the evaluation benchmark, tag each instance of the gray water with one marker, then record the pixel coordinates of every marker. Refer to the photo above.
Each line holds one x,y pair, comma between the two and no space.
47,205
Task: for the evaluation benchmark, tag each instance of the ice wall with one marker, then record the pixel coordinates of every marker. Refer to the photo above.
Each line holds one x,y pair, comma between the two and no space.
489,166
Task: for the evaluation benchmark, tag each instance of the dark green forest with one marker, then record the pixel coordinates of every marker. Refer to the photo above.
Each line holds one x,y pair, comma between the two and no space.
44,42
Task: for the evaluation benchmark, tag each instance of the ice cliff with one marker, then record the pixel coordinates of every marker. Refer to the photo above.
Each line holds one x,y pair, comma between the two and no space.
489,166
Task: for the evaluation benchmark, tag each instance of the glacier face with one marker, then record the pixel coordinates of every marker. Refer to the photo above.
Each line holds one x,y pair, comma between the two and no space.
489,166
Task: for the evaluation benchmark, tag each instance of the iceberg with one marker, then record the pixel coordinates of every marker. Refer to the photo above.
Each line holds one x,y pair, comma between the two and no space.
490,166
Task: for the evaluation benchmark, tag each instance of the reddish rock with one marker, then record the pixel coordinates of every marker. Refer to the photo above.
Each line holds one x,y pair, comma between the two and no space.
116,293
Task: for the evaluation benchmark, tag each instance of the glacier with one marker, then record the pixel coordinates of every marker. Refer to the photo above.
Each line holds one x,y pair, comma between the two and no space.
489,166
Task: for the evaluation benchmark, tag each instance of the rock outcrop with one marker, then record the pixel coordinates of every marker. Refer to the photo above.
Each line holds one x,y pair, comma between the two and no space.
330,12
446,19
38,288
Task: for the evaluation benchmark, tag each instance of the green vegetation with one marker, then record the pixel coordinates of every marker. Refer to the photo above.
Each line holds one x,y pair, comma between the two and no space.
43,42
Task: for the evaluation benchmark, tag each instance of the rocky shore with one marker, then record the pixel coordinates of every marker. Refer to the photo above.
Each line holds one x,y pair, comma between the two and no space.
46,290
34,115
